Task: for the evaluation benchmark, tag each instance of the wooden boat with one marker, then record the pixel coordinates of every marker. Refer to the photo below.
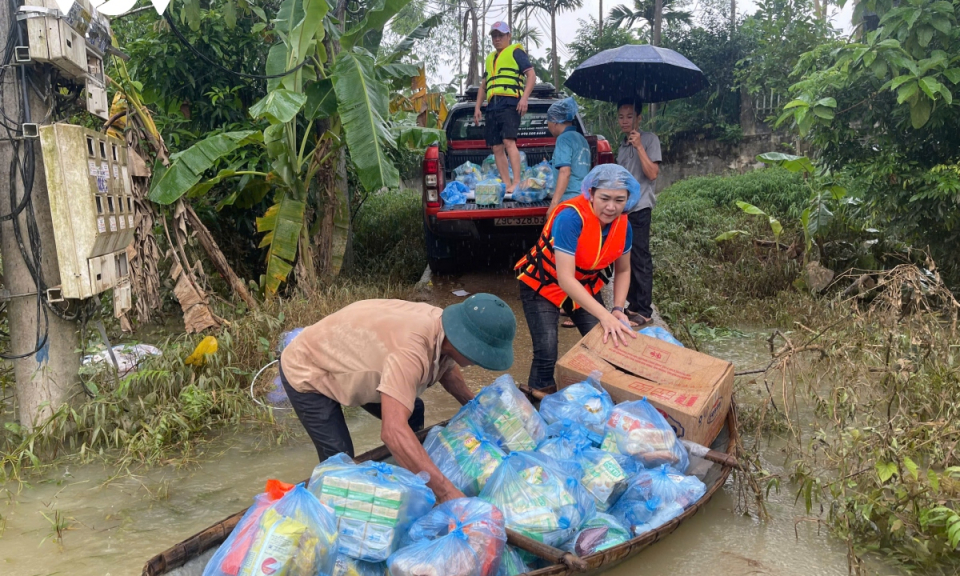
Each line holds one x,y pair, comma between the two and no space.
188,558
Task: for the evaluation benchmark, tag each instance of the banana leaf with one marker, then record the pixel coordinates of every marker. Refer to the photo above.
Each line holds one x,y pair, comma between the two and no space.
321,100
788,161
376,18
419,33
281,225
187,167
278,106
363,104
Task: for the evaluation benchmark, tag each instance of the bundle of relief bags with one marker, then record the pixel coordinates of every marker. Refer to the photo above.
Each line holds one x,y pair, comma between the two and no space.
374,504
462,537
537,183
286,531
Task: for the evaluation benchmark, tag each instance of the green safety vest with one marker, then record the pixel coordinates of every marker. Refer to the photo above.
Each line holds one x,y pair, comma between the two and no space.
504,77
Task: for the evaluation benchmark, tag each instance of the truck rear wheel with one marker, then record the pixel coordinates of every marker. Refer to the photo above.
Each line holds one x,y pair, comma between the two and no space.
443,266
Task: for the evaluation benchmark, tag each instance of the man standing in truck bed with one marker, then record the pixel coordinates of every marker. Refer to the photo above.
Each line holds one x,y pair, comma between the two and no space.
508,80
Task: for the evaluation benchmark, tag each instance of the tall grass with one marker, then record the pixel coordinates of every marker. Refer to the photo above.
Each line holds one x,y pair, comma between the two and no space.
697,280
388,238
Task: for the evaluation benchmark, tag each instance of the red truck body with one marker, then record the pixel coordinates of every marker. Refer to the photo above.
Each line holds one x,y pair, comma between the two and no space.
454,234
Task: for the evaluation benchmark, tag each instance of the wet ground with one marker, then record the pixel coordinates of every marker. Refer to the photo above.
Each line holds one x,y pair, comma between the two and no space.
112,527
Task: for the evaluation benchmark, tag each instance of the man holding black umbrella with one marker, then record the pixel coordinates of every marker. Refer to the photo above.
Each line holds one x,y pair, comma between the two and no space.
640,154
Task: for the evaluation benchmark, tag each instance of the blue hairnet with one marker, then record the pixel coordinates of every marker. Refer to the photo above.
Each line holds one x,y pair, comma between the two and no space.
562,111
612,176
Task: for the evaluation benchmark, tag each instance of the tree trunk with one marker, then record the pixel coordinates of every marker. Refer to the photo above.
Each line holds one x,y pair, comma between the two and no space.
218,259
472,76
510,15
657,21
733,14
47,379
553,43
601,19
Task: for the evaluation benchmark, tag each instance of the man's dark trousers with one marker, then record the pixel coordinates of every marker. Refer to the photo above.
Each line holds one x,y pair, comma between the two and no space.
640,295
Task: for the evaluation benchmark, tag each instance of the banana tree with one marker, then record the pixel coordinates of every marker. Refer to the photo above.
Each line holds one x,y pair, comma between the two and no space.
331,99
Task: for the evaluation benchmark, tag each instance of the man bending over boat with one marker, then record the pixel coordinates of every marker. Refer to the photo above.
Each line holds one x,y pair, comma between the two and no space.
381,355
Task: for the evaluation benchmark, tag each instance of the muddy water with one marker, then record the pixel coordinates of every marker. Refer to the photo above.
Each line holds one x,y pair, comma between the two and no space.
113,527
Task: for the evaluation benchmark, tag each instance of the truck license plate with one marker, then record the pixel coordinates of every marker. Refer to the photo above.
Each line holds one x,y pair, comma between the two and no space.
525,221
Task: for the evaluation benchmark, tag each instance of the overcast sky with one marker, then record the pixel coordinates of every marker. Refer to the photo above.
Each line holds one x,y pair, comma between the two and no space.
567,25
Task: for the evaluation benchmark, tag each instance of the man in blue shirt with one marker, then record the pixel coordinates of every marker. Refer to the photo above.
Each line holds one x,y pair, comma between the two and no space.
508,81
571,155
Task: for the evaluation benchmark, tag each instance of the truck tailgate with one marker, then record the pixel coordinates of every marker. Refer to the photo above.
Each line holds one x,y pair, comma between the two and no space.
535,212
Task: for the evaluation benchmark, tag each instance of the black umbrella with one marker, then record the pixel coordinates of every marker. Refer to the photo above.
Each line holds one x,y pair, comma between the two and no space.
641,72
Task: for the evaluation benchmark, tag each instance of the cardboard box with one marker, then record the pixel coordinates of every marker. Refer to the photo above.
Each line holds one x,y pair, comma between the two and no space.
692,390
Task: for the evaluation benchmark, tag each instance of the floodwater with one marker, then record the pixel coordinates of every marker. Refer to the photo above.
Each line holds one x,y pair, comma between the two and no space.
112,527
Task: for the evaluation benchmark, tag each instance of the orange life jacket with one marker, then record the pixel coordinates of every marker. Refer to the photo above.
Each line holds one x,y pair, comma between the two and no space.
594,256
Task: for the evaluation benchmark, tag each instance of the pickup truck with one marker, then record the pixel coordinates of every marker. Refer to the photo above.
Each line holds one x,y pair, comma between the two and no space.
456,234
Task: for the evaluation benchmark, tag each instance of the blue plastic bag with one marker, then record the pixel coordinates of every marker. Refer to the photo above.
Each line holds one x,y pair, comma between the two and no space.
511,564
227,559
600,472
455,193
468,174
662,514
296,535
464,455
586,403
479,523
598,533
505,415
347,566
538,498
374,503
660,334
563,439
667,485
488,169
638,430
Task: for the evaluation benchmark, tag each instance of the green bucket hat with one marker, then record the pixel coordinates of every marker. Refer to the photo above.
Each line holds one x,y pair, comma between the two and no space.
482,328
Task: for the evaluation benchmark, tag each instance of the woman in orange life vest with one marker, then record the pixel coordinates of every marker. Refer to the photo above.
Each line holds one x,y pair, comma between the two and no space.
582,241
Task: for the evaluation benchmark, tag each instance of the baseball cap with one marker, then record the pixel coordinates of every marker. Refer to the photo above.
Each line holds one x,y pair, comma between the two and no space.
500,27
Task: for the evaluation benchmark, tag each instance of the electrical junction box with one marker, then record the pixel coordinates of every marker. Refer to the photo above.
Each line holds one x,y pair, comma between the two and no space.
91,204
75,42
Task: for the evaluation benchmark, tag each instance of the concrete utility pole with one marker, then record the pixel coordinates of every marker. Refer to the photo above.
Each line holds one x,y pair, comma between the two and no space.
49,378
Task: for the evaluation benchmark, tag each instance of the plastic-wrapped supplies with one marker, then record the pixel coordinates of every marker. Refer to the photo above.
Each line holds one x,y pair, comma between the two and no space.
347,566
468,174
489,167
511,564
455,193
505,415
638,430
598,533
660,334
563,439
374,503
586,403
668,485
599,471
464,455
537,183
295,536
479,523
538,498
490,192
661,516
227,559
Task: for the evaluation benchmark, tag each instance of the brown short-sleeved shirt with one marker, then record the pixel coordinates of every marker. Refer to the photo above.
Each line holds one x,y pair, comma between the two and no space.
368,348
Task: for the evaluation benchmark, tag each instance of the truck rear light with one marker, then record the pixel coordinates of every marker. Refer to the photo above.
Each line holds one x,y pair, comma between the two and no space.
431,166
604,152
430,179
433,198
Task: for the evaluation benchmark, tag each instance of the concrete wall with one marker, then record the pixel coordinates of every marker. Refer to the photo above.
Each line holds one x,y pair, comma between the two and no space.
710,157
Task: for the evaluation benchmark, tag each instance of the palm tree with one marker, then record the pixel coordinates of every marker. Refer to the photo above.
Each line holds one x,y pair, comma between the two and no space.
646,11
552,8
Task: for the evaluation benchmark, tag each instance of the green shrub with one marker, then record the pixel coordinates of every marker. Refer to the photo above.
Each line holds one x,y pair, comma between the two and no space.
697,280
388,237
